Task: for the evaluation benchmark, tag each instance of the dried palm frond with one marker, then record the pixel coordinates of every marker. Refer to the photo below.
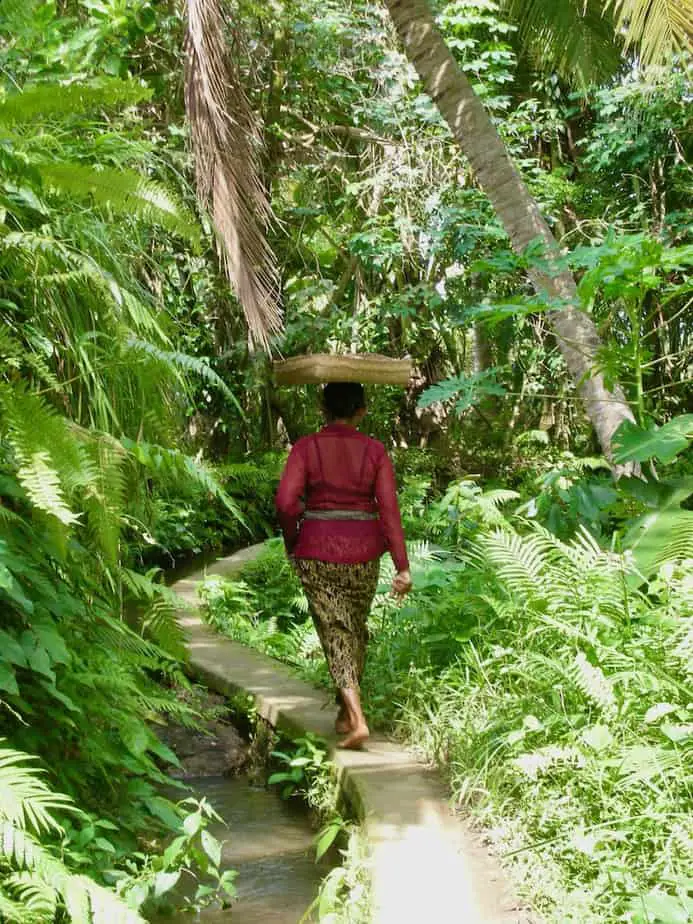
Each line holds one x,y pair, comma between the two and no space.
226,144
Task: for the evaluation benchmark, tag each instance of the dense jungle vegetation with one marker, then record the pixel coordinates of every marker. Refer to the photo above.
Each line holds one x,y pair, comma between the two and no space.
545,658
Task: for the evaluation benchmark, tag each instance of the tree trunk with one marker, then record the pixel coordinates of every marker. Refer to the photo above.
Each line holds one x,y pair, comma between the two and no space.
497,175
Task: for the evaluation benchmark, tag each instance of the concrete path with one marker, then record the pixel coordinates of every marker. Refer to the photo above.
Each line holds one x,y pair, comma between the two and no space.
428,867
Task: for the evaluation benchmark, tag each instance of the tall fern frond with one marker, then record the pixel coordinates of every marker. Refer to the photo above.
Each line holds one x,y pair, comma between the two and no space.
644,763
489,502
38,898
42,483
519,561
43,448
54,100
27,801
594,684
101,483
182,361
678,546
161,624
123,191
158,614
13,911
176,463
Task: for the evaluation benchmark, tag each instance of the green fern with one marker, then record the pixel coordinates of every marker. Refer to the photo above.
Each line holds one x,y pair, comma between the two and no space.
593,684
43,450
178,465
42,484
27,802
123,191
38,899
43,101
39,882
182,361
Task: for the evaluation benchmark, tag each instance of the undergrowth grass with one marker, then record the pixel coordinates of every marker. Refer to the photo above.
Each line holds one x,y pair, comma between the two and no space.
553,694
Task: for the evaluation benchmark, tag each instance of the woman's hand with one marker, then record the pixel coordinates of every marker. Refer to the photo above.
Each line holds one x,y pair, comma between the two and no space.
401,583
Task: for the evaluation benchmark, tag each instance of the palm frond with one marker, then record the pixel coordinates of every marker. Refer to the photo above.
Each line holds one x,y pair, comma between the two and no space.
659,28
225,143
573,38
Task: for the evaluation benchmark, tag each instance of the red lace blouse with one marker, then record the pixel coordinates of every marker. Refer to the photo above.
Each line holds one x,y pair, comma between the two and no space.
339,468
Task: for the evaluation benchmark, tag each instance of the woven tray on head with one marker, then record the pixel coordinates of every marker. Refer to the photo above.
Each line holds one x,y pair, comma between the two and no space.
319,368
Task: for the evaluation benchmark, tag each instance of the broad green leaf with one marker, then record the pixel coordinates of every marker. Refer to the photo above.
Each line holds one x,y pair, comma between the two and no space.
11,650
634,444
136,738
164,882
165,811
36,655
327,837
658,711
660,908
192,823
211,847
676,733
8,681
598,737
49,637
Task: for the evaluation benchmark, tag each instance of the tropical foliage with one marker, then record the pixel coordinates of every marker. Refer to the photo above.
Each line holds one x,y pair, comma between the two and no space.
298,159
561,718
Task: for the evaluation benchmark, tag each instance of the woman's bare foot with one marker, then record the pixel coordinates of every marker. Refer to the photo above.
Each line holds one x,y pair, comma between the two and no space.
358,730
343,724
356,738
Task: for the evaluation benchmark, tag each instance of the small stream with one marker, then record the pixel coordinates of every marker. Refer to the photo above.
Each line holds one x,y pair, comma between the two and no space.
268,841
271,845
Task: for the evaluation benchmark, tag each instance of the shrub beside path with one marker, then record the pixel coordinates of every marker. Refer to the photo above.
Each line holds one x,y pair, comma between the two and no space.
427,863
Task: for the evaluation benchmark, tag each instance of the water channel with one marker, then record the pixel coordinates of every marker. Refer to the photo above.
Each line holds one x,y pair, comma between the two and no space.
268,841
271,845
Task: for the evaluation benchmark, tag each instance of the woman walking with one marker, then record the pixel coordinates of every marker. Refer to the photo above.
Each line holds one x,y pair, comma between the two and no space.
337,506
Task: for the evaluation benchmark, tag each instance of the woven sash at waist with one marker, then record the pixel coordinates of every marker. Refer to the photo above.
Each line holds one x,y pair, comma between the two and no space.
339,515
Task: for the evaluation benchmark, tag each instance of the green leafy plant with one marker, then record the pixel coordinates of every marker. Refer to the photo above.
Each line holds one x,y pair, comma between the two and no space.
307,760
35,885
194,851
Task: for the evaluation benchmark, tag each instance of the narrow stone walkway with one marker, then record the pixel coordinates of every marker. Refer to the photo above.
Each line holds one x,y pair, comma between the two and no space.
427,864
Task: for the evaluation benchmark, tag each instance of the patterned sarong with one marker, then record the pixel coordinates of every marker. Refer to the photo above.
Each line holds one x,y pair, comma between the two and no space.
340,598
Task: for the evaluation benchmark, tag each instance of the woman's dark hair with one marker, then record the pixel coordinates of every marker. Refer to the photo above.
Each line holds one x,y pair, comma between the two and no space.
341,400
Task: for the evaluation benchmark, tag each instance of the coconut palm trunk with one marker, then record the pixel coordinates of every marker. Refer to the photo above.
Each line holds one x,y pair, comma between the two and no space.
497,175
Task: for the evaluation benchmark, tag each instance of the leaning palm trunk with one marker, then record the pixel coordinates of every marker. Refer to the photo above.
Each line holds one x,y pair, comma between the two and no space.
499,178
225,143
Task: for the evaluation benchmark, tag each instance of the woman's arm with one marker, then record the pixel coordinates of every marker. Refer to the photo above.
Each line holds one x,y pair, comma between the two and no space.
289,503
388,507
